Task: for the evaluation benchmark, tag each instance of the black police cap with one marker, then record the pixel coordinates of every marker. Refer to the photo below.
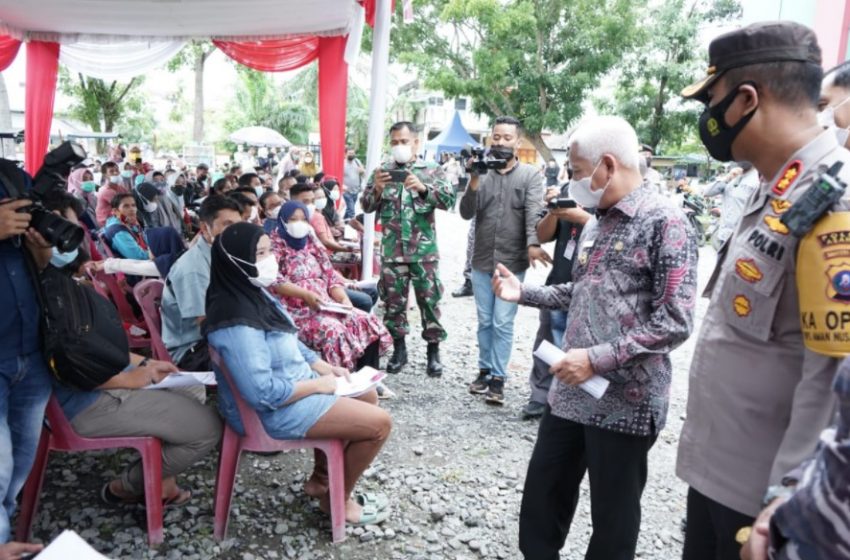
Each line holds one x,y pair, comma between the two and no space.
758,43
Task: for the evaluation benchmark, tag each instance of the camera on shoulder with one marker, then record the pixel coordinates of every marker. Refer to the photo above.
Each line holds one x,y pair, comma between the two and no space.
56,230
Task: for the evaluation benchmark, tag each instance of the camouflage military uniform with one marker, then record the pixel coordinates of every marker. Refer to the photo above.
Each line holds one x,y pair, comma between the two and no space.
409,247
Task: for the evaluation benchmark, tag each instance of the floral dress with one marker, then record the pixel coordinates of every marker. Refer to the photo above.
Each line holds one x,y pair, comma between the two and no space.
341,339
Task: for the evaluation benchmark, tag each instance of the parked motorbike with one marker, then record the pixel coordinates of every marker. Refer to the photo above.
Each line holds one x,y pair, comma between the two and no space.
700,217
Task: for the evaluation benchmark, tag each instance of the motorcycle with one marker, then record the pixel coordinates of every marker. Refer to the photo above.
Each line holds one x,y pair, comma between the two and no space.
700,217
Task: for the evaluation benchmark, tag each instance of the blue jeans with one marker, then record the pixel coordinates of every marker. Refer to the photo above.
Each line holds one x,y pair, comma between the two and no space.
495,325
350,204
24,390
559,326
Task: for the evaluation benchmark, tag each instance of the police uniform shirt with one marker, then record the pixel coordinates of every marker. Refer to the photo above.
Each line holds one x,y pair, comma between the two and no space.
758,398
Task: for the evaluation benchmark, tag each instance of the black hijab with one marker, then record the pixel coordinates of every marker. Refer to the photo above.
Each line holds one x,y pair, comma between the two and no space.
231,298
329,211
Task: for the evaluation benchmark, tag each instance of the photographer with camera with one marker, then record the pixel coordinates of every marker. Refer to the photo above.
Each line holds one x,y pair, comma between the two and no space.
505,197
405,192
28,233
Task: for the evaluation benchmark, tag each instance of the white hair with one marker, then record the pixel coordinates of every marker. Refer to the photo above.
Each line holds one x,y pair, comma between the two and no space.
597,136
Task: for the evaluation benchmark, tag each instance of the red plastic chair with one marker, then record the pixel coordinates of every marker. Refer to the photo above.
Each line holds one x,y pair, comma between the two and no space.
149,295
107,285
60,436
256,439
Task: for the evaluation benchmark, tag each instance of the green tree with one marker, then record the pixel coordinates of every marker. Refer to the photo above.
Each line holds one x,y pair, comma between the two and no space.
668,59
258,102
108,106
194,55
533,59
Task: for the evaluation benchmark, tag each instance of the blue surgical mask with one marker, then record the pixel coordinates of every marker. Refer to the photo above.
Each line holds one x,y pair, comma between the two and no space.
260,191
61,260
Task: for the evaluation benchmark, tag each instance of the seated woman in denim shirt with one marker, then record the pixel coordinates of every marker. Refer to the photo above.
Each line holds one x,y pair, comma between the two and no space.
291,389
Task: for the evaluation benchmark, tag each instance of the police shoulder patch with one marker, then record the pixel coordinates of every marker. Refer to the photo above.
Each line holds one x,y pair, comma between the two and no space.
794,169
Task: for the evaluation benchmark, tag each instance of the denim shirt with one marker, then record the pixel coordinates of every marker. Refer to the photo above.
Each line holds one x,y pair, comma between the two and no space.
265,365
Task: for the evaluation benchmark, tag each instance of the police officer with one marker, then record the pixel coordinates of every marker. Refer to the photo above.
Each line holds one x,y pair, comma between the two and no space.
758,398
405,192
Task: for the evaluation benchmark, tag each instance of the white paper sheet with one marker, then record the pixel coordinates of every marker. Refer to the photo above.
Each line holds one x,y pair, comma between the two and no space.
361,381
550,354
371,283
333,307
70,545
185,379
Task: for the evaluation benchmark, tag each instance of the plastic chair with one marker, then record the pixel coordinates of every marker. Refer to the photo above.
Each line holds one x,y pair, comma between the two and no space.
107,286
59,435
256,439
149,295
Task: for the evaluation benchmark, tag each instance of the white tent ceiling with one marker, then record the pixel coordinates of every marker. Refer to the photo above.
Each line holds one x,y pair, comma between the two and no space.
69,21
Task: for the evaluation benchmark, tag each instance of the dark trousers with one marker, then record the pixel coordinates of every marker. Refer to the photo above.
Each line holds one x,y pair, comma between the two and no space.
711,529
616,464
540,377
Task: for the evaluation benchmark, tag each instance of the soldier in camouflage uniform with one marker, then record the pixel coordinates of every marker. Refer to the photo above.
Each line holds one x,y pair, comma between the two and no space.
409,243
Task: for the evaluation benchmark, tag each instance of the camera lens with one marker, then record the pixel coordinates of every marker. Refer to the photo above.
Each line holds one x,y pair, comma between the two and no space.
56,230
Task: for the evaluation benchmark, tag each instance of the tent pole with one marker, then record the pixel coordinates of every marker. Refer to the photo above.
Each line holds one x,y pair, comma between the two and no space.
377,111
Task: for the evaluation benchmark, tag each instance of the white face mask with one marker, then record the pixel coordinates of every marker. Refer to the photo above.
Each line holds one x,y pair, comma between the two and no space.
321,204
402,153
259,191
273,213
266,272
582,192
151,207
826,118
254,214
311,208
116,179
298,230
334,195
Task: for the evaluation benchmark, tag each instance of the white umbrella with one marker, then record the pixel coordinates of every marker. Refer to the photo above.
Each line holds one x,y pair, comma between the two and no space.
259,136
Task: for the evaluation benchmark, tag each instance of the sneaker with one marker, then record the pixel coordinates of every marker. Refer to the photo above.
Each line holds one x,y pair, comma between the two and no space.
481,383
533,409
496,393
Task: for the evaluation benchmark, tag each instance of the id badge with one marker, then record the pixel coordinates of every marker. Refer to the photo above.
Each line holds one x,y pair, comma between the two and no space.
570,249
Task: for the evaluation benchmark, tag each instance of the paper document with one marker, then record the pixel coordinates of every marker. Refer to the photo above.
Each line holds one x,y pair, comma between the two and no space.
69,545
349,233
185,379
350,244
367,284
334,307
361,382
551,354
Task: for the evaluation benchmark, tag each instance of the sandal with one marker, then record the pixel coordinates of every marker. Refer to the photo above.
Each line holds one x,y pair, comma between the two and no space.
179,498
368,499
110,498
369,515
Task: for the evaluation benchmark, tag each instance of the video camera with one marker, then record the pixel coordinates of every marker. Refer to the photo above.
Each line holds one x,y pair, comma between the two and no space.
479,159
55,229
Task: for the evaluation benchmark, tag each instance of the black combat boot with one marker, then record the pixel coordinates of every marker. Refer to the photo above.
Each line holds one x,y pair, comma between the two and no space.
399,358
435,368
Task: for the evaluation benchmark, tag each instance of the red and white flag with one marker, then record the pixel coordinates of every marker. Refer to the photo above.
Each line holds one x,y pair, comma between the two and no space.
407,10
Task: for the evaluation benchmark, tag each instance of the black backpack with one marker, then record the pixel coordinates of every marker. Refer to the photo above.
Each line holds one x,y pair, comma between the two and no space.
83,340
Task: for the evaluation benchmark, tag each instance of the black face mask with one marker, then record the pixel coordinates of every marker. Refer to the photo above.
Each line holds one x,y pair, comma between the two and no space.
179,190
350,158
715,134
502,152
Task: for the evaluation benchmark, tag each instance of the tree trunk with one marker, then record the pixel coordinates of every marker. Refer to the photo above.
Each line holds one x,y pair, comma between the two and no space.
541,146
8,147
198,122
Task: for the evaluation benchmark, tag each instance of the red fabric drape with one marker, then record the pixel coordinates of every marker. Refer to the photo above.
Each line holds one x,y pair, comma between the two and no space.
275,55
8,51
333,92
42,69
369,6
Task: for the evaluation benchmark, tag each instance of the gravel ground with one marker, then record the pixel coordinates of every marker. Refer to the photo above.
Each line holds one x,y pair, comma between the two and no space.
453,469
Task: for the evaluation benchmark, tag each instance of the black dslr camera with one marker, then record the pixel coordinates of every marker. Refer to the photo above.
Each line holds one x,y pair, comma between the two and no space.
53,174
479,160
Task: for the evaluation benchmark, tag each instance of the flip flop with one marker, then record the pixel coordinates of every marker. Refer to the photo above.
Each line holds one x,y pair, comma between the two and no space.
110,498
369,499
369,515
179,498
